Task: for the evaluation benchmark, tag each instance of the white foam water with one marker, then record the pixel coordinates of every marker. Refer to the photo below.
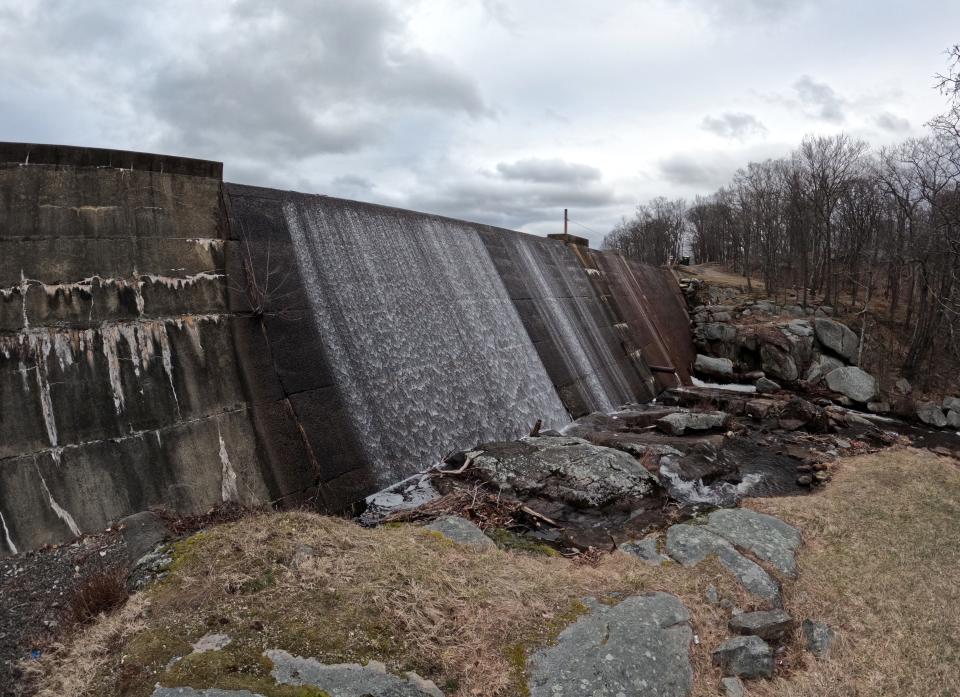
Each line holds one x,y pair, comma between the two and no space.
696,491
428,351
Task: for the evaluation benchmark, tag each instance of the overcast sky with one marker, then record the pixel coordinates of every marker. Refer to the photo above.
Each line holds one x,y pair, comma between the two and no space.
502,111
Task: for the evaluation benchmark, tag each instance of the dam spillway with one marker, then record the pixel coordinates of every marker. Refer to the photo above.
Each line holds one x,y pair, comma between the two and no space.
167,339
418,330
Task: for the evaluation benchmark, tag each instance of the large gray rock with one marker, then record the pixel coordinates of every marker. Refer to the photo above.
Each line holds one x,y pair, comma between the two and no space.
640,646
645,550
679,423
817,637
852,382
951,404
719,331
837,337
799,327
769,538
903,386
779,363
142,532
565,469
462,531
745,656
347,679
716,367
821,366
769,625
931,414
732,687
953,419
691,544
766,385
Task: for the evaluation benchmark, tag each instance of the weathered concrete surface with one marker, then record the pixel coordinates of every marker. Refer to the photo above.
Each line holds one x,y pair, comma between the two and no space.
574,332
461,531
652,315
118,347
564,469
640,646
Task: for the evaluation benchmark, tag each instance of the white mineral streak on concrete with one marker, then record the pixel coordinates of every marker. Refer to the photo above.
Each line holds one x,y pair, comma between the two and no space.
228,482
423,340
62,513
43,385
23,299
570,318
6,536
206,242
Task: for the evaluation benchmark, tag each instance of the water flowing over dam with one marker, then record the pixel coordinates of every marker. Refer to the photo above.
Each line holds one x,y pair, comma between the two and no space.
418,330
168,339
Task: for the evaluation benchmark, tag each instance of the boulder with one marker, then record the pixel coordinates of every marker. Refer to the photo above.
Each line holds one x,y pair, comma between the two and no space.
461,531
931,414
745,656
717,331
645,550
799,327
878,407
732,687
769,538
820,367
760,408
769,625
807,414
951,404
824,311
853,382
721,317
778,362
766,385
817,637
639,646
953,419
679,423
767,307
794,311
691,544
142,532
565,469
903,386
341,679
718,367
837,337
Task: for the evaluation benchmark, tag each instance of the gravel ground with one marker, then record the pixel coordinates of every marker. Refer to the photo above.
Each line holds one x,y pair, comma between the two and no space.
35,592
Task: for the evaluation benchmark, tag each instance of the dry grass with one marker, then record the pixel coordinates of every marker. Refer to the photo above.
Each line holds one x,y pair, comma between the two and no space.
101,593
399,594
882,566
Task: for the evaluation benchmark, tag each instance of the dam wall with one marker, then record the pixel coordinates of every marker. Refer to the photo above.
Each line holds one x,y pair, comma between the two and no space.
170,340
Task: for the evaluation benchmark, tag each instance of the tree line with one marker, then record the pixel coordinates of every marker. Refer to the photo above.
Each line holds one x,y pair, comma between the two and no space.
836,223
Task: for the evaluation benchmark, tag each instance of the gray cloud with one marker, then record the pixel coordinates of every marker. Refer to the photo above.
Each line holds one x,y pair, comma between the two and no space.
303,78
739,126
748,10
820,99
891,122
687,170
548,171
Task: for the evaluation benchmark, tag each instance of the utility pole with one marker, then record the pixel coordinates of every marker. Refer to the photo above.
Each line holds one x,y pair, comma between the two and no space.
566,236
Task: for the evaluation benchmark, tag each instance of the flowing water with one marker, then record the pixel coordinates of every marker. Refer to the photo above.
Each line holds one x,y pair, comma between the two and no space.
570,312
417,326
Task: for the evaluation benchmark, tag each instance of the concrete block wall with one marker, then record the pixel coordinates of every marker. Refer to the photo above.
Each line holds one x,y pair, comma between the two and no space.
120,384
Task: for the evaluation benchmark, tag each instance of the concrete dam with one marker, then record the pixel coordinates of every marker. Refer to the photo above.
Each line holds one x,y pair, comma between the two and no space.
168,339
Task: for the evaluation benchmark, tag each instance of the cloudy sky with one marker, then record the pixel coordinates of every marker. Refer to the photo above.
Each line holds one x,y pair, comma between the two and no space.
502,111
